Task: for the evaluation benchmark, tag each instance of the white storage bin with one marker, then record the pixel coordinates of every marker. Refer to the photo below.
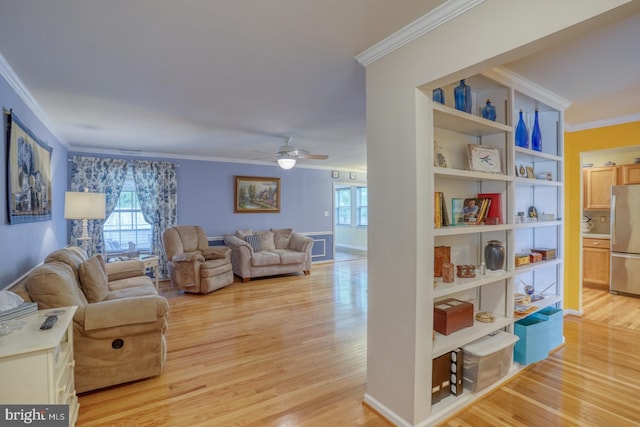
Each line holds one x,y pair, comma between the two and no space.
487,359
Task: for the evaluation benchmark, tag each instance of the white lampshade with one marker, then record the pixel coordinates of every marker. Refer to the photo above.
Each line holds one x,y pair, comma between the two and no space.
84,205
286,162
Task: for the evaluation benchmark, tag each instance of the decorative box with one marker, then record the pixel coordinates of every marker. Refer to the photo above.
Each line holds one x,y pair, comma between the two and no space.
522,259
441,255
546,253
447,272
451,315
535,257
465,271
440,378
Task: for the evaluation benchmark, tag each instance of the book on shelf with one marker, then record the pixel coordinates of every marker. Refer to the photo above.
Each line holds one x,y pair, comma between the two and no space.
440,214
24,309
495,207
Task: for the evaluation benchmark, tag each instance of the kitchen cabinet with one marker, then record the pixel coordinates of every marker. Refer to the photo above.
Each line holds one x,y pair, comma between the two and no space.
595,262
630,174
597,186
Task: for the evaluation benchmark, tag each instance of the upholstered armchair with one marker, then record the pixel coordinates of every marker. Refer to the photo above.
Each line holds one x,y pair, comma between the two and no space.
194,266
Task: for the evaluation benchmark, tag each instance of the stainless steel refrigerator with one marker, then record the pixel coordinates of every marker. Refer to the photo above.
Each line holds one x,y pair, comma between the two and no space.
625,239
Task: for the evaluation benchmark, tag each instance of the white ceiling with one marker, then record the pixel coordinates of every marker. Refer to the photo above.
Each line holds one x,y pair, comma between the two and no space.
229,79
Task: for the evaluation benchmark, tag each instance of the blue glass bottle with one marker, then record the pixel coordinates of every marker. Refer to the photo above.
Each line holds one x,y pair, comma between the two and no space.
522,135
462,95
438,95
489,111
536,136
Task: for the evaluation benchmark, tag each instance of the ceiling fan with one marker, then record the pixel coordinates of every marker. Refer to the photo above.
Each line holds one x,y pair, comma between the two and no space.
287,155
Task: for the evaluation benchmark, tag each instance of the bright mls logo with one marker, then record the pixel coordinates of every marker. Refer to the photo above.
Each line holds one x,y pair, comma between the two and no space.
34,415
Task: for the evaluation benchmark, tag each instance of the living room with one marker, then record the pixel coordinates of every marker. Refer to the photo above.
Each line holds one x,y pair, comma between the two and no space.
205,195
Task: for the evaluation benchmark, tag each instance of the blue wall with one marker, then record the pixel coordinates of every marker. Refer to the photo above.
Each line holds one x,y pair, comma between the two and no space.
22,246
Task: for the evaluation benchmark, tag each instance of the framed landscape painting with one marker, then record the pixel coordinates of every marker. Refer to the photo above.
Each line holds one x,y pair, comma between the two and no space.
29,175
254,194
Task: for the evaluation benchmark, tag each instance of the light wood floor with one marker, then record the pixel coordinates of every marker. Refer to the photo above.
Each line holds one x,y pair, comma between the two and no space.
291,351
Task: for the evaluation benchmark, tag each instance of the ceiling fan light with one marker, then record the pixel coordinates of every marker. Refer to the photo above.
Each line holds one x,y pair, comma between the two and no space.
286,162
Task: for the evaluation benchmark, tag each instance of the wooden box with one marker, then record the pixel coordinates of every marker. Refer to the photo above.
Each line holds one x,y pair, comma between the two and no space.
522,259
441,254
546,253
535,257
465,271
451,315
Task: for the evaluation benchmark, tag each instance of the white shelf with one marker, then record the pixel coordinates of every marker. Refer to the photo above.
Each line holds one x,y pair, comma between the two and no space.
536,265
548,301
537,182
468,124
443,289
526,154
469,229
536,224
445,343
467,175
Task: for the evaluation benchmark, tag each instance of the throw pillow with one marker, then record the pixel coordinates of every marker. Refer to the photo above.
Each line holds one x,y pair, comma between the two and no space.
254,241
266,240
93,279
244,233
282,237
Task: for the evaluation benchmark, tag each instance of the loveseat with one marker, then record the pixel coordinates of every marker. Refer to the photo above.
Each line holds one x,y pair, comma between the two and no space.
120,324
267,253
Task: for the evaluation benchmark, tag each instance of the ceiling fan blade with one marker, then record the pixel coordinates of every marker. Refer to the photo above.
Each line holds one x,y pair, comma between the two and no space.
312,156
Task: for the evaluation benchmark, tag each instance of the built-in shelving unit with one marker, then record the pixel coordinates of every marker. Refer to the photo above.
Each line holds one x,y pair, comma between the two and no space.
540,186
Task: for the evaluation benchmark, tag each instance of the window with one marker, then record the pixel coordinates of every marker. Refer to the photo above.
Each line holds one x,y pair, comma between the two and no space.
126,223
343,206
361,206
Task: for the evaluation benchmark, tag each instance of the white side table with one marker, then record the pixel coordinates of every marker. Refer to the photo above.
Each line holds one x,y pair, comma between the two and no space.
36,365
152,262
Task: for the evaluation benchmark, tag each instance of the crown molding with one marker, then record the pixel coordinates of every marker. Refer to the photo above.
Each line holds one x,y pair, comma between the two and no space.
527,87
20,89
612,121
429,22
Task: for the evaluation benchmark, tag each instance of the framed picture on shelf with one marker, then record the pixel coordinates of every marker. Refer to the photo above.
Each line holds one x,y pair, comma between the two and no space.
530,173
484,158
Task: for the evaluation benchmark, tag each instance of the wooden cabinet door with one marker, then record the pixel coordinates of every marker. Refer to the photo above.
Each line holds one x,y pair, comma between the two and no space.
595,262
597,186
630,174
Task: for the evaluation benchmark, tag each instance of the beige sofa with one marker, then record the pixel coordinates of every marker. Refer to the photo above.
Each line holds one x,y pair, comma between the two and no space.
120,323
267,253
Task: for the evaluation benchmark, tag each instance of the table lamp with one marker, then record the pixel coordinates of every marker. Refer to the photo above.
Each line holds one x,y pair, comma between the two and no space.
85,206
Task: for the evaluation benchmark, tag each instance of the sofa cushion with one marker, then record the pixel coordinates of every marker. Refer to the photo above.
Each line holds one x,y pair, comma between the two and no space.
213,267
287,256
93,279
262,258
282,237
254,241
267,241
53,284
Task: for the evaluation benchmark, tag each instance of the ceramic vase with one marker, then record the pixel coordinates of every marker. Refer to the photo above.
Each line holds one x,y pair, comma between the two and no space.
494,255
522,135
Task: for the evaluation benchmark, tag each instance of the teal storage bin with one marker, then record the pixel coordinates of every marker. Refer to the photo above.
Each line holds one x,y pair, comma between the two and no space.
555,317
533,343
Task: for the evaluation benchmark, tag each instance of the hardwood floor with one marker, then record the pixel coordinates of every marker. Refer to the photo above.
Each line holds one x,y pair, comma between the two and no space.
291,351
286,351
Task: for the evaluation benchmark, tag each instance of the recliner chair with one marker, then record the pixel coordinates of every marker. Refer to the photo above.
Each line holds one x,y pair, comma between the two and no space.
194,266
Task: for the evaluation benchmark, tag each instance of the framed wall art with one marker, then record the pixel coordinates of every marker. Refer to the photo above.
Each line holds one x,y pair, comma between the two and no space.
254,194
484,158
29,174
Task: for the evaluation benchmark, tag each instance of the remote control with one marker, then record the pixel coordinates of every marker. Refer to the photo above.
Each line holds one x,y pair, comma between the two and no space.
49,322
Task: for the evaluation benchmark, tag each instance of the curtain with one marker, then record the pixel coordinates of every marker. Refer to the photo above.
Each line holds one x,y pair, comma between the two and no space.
99,175
156,186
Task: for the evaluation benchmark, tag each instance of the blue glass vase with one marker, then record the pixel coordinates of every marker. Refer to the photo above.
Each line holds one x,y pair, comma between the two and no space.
536,136
438,95
522,135
489,111
462,95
